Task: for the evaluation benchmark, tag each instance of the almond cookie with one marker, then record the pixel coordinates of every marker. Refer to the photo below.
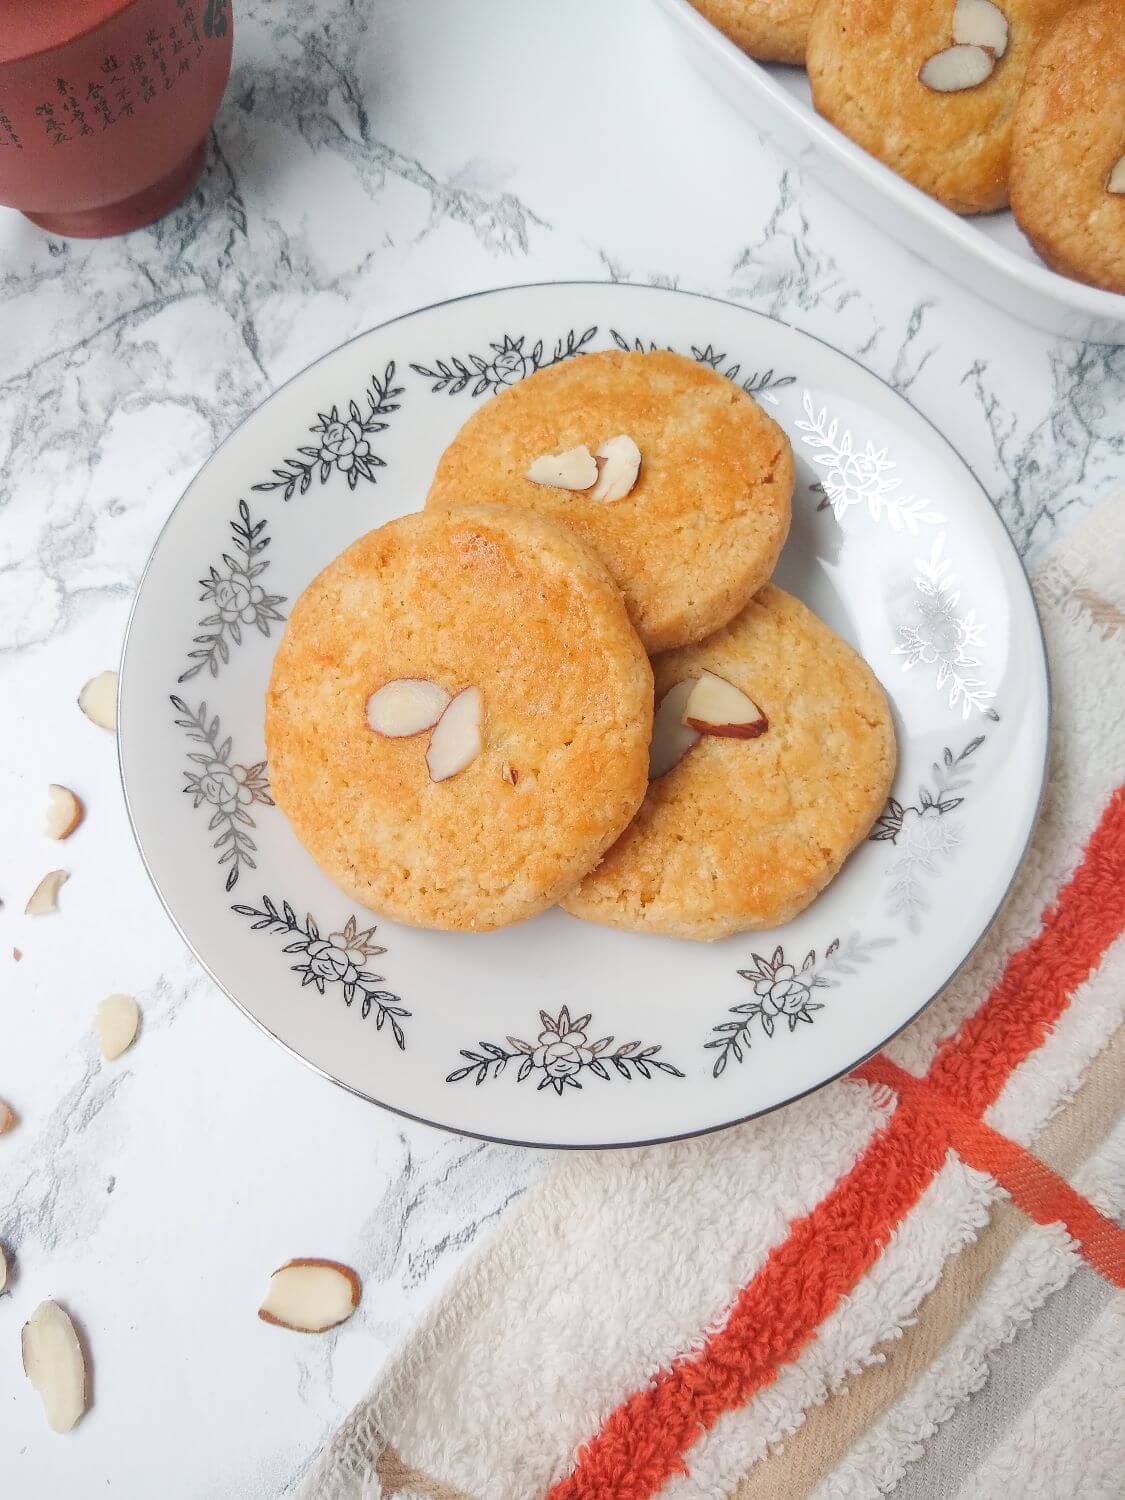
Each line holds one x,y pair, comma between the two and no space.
747,821
772,30
1068,147
904,79
698,530
459,716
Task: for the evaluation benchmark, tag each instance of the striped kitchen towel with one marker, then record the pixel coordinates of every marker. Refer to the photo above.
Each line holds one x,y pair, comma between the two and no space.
906,1283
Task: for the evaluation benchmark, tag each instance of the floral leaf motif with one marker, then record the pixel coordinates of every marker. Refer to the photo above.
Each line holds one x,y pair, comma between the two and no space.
922,831
340,959
507,363
238,597
860,476
227,787
944,636
561,1055
783,992
761,384
343,442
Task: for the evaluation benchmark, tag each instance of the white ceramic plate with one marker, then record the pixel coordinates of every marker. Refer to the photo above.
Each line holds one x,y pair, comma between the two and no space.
987,253
554,1032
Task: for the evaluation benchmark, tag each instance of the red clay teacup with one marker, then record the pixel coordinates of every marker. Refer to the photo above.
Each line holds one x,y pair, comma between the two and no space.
105,107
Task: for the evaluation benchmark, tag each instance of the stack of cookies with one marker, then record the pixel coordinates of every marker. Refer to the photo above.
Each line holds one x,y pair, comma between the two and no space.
979,103
568,679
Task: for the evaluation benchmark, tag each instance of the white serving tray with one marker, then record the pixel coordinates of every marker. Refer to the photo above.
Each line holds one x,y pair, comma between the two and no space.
988,254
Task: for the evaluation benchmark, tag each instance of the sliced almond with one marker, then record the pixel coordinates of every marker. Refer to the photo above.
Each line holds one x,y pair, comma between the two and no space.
17,954
619,461
64,811
310,1295
53,1362
98,700
116,1022
509,774
45,896
3,1269
979,23
1115,183
456,741
575,469
7,1117
671,738
956,68
717,707
406,706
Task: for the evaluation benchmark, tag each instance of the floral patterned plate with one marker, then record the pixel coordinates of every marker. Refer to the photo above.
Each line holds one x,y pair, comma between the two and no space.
554,1032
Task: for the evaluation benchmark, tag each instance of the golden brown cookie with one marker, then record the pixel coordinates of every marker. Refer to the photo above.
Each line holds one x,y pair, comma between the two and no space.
487,598
742,833
772,30
864,59
700,531
1069,136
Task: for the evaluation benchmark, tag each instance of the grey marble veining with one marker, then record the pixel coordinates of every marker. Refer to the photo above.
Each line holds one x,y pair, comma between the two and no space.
367,159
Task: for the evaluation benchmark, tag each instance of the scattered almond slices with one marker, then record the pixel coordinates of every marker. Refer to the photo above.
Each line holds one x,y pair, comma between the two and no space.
717,707
309,1296
509,774
7,1117
3,1269
64,811
53,1362
98,700
956,68
979,23
45,897
576,469
116,1021
671,737
405,707
456,740
1115,182
619,461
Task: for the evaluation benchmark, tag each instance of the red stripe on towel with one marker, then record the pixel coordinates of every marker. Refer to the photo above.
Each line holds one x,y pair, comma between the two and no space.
1039,979
1041,1193
827,1251
643,1441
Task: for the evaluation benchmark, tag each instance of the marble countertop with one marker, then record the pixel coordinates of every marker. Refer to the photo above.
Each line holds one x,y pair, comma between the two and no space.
367,159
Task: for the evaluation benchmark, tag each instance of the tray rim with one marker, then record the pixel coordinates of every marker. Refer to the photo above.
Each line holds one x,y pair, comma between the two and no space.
1064,293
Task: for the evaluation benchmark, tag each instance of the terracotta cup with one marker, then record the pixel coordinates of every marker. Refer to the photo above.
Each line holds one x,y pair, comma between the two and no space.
105,107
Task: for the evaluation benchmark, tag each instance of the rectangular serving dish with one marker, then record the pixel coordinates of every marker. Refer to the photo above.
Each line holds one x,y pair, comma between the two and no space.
988,254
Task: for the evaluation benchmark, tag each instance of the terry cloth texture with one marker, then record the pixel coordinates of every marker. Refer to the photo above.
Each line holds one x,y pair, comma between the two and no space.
906,1283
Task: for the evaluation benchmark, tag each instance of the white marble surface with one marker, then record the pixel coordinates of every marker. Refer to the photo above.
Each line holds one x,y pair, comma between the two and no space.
369,158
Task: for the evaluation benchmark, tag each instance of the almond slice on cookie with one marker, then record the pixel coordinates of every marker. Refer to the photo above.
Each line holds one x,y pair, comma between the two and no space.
671,737
717,707
456,740
405,707
956,68
576,469
619,461
979,23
